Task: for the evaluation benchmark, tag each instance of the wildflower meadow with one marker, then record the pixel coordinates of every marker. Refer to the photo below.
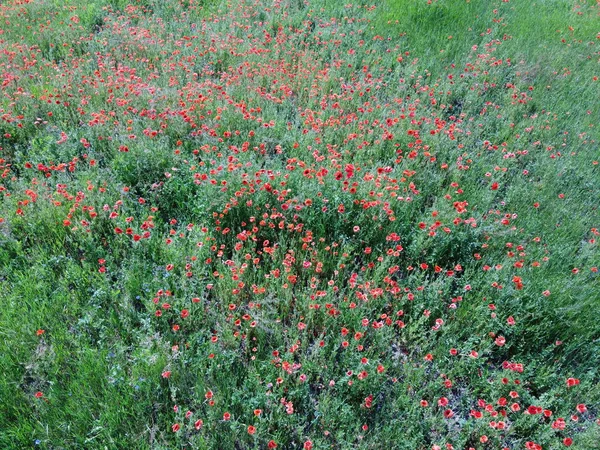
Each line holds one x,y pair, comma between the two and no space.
299,224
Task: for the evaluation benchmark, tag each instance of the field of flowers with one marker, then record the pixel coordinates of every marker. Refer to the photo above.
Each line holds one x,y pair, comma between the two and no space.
299,224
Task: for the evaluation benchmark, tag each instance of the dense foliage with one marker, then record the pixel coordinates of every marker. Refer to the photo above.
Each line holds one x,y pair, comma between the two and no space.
299,225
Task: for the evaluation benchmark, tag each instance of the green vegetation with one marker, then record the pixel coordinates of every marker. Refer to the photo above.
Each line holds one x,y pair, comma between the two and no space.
299,224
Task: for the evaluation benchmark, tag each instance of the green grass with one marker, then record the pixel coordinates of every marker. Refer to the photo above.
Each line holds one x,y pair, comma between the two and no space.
242,259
